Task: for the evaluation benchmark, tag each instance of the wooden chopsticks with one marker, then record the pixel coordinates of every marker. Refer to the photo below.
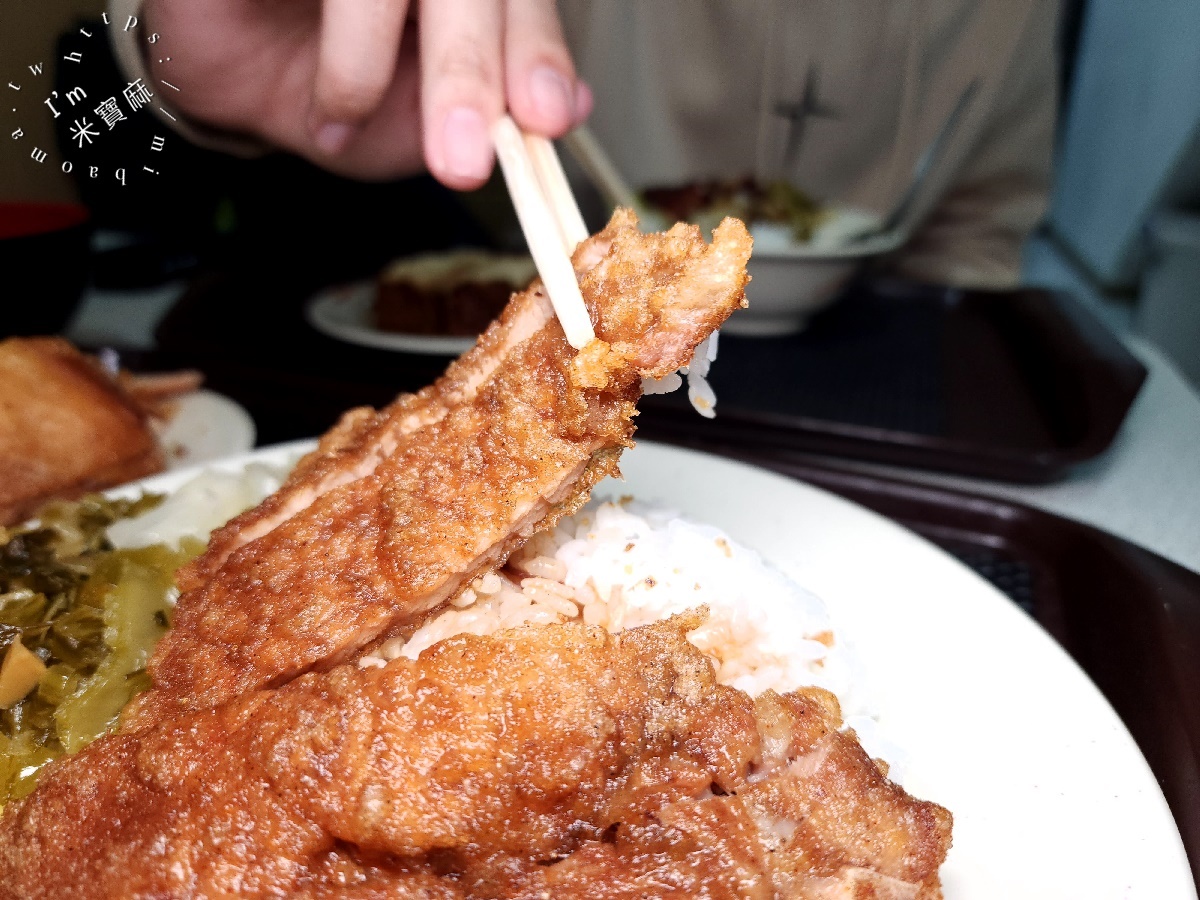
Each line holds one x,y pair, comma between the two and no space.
550,219
599,167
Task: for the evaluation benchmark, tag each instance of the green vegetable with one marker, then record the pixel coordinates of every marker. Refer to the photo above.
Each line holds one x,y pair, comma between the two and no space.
91,614
132,587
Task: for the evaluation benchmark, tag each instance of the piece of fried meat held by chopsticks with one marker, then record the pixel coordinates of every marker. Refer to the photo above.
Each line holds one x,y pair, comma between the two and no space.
554,761
398,510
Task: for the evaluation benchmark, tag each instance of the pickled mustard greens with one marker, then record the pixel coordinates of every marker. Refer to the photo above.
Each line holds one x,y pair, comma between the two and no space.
91,614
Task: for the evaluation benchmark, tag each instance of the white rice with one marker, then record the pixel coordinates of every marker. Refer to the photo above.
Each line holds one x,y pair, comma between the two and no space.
621,565
700,393
198,507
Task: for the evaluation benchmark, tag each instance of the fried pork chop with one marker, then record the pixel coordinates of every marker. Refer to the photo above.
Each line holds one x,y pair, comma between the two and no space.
546,761
66,427
398,509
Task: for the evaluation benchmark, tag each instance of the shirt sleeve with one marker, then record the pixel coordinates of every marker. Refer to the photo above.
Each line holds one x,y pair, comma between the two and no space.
128,45
975,235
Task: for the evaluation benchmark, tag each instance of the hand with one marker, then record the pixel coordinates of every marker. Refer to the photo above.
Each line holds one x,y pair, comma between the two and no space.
359,87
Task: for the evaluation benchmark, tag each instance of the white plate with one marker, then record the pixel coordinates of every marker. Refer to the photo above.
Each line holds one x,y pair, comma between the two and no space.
205,426
1051,797
344,313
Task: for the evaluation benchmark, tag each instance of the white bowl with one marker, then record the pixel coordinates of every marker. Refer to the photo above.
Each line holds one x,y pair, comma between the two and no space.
789,284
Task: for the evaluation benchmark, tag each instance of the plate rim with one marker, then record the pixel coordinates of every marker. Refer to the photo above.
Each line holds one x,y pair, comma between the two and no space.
873,245
357,296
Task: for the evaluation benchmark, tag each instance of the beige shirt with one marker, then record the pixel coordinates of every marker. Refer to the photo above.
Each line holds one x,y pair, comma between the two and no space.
693,89
689,89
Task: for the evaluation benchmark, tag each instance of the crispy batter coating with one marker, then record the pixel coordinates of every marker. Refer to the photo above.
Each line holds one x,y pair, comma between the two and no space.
66,427
397,510
544,761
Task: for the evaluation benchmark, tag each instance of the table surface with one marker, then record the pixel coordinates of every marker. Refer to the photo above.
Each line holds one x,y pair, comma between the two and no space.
1145,488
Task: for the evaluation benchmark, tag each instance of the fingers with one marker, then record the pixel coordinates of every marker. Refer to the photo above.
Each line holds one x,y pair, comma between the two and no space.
388,145
355,64
462,87
477,58
543,94
583,101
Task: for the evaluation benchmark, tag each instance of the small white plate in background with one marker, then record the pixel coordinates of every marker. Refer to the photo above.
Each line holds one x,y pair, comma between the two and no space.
344,313
204,426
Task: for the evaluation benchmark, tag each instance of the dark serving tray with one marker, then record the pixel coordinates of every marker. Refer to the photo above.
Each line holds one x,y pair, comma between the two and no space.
1015,385
1130,618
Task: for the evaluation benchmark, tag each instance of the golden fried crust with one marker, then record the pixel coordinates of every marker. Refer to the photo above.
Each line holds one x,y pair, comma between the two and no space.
451,501
66,428
553,759
654,297
617,266
395,512
546,761
363,437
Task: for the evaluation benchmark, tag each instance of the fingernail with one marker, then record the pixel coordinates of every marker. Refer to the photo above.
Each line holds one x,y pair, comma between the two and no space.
466,151
584,101
332,137
551,94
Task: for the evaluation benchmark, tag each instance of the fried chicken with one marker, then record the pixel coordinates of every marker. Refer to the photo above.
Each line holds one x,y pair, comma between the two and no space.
398,509
66,427
544,761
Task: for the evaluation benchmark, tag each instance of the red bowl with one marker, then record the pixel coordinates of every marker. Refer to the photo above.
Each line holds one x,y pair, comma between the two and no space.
44,255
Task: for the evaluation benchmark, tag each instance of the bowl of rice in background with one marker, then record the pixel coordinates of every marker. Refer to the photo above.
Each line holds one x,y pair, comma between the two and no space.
805,251
791,282
921,653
